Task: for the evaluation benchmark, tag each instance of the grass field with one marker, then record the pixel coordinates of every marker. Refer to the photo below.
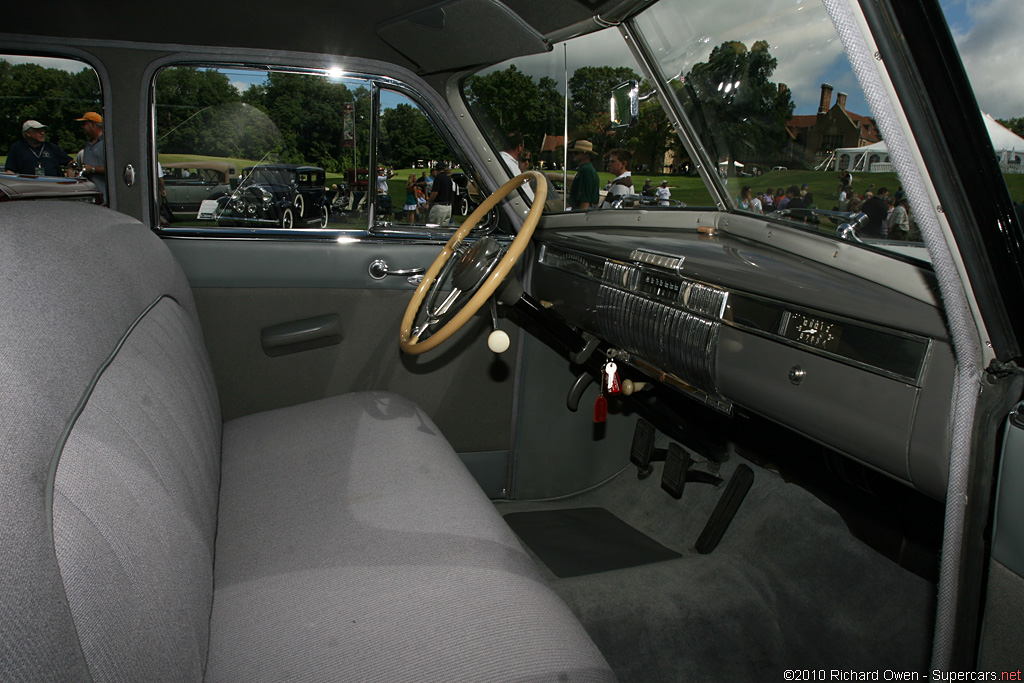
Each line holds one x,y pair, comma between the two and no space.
688,189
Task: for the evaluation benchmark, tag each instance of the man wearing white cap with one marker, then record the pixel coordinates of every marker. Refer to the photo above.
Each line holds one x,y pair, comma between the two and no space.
94,158
663,193
34,155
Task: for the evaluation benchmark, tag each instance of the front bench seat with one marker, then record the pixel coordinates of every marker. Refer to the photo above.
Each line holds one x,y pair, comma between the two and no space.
143,540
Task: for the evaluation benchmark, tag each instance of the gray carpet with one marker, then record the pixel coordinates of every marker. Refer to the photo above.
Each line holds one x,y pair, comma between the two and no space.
788,587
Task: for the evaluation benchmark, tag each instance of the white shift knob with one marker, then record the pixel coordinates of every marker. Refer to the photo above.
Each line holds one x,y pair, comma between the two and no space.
498,341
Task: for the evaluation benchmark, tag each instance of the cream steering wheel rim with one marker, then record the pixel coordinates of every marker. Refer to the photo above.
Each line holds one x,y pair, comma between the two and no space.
413,345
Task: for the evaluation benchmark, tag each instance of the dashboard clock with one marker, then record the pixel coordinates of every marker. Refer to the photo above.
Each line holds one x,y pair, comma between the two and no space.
814,332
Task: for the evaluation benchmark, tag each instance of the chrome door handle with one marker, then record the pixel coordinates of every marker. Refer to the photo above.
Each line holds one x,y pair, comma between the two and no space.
379,270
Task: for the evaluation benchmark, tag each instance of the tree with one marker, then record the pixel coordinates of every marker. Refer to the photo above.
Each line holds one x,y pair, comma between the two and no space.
652,136
513,102
1015,125
406,136
309,113
54,97
739,112
590,90
185,98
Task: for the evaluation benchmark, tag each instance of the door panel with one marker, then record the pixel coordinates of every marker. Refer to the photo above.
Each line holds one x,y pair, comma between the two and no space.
1002,638
245,287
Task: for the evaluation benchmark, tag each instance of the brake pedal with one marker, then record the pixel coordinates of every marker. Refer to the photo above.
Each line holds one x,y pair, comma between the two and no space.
673,477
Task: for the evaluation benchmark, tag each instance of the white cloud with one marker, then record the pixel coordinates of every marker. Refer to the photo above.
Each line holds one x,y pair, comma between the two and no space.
69,65
799,33
992,49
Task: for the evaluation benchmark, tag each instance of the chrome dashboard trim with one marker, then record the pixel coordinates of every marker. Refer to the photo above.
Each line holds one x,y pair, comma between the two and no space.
891,353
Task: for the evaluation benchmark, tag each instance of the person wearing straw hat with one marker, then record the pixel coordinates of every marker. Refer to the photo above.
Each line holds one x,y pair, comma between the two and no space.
586,187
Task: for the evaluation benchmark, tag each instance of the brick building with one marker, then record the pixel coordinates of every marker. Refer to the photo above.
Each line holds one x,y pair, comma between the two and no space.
815,138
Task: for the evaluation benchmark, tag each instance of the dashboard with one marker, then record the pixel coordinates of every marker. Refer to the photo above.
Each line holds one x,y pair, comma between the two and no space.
740,326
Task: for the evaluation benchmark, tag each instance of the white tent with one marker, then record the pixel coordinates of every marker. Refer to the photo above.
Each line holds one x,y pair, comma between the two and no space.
872,158
1009,147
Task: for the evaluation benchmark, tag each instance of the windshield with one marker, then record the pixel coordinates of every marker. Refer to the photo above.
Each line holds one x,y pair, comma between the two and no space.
774,103
750,108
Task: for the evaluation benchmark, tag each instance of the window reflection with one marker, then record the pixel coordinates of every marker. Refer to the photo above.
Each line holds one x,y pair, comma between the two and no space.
252,148
559,101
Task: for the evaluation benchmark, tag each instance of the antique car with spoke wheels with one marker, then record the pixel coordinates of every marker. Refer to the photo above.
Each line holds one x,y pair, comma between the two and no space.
284,195
639,341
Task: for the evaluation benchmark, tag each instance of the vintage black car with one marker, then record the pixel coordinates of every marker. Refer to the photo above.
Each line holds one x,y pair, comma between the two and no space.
651,444
283,195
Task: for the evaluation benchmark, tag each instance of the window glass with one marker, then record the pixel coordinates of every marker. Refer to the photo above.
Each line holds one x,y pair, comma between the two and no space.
419,180
988,37
42,103
531,107
774,101
252,148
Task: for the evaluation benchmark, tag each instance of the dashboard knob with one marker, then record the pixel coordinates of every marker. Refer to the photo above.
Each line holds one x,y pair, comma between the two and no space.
797,374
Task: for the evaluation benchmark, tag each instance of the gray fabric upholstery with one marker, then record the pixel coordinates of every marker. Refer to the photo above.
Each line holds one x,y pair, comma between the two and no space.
142,540
74,280
135,506
379,557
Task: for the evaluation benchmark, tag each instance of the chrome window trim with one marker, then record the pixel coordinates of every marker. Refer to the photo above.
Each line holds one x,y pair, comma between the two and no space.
378,74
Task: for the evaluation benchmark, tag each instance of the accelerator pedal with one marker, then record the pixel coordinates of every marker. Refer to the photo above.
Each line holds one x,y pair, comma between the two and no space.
735,491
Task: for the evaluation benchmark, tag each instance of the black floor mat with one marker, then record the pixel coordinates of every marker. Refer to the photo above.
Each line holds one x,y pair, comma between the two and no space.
582,541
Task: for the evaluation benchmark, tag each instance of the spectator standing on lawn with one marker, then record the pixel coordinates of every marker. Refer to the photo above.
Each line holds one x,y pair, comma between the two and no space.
663,193
622,185
94,156
586,186
441,195
33,155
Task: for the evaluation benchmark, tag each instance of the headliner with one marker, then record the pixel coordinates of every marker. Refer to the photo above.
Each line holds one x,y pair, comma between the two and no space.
487,34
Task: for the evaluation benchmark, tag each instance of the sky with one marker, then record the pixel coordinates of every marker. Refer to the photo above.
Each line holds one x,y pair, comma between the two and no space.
989,34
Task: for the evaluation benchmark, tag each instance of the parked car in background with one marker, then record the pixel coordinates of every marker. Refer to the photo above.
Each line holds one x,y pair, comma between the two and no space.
188,184
462,203
285,195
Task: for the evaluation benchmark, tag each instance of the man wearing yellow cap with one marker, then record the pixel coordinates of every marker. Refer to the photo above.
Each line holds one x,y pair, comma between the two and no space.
94,158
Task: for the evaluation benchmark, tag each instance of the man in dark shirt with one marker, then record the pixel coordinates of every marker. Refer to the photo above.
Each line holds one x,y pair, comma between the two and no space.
586,187
34,155
440,198
876,210
796,200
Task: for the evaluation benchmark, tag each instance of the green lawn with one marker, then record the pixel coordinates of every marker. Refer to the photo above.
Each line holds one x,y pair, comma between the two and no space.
689,189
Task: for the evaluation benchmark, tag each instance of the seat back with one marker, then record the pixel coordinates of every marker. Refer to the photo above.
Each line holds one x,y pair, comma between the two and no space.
110,437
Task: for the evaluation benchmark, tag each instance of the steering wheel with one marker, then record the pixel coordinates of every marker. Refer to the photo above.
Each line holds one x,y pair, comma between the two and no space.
477,273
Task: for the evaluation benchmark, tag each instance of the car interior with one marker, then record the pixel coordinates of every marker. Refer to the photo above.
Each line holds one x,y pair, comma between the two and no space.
366,370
